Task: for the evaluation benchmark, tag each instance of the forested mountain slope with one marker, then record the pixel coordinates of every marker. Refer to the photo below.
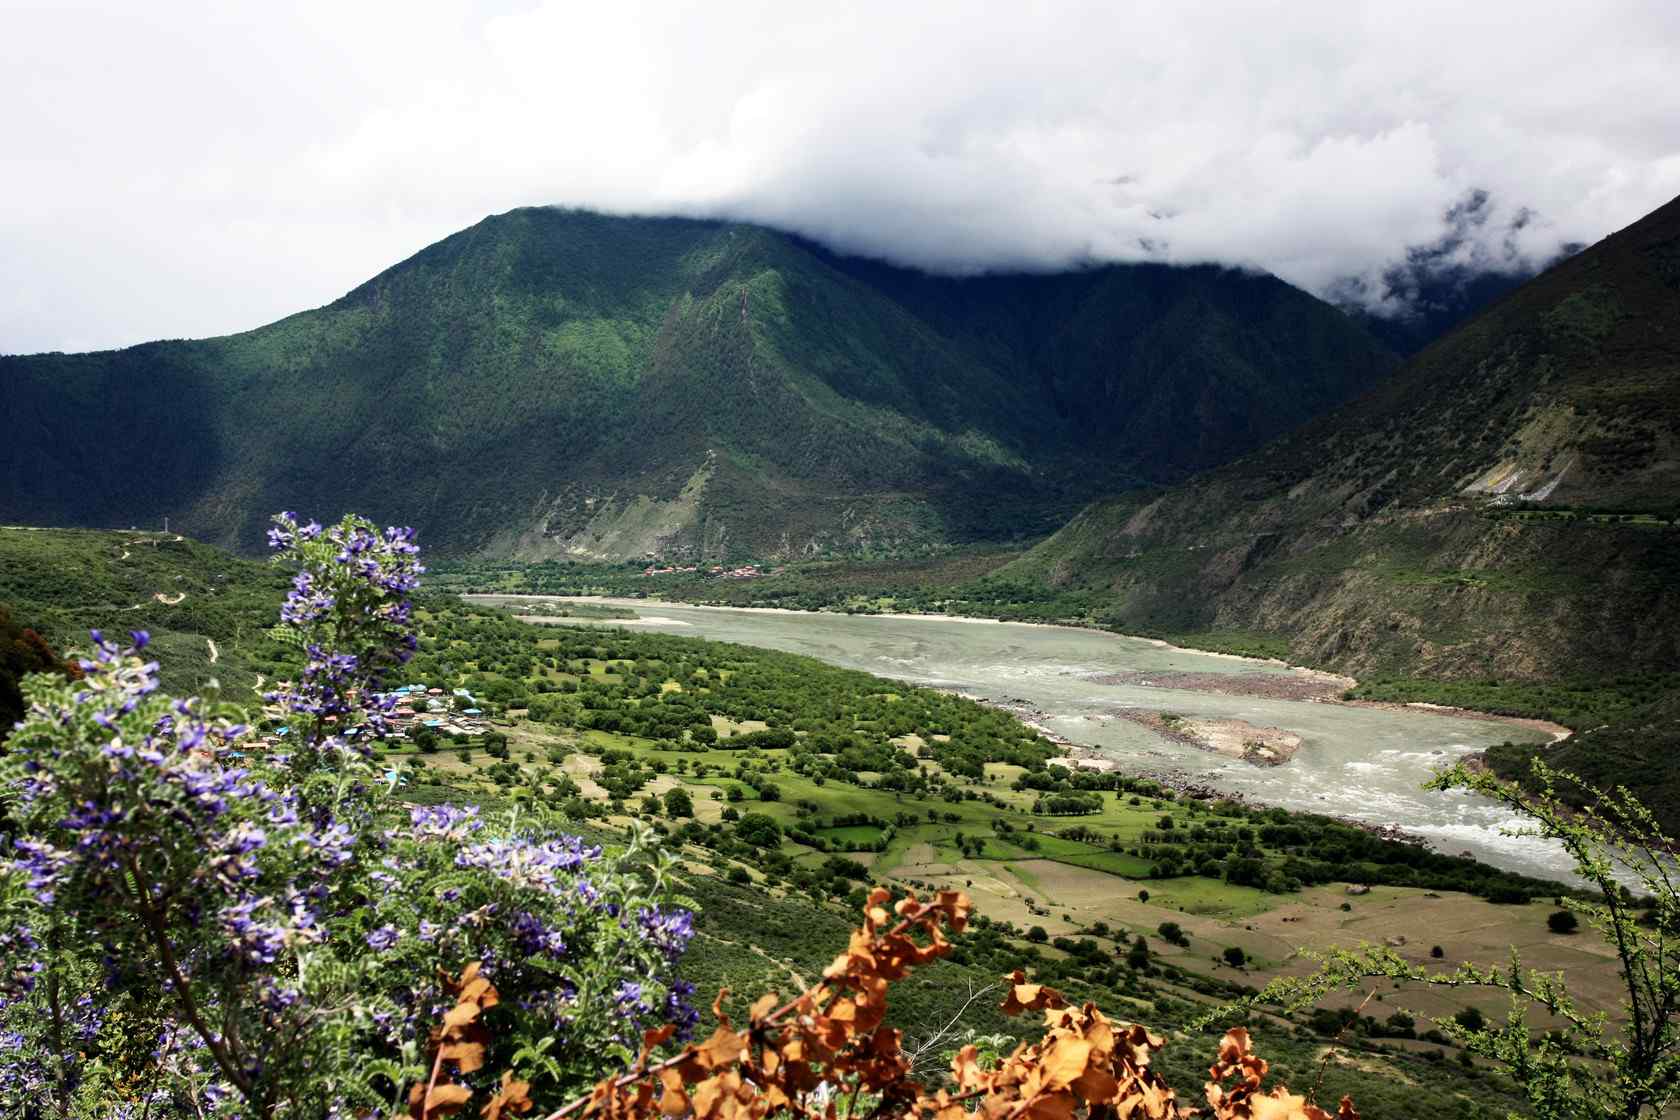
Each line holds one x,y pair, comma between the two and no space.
1508,504
554,382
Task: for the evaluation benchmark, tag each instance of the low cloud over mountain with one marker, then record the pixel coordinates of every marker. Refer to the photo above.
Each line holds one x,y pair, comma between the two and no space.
224,166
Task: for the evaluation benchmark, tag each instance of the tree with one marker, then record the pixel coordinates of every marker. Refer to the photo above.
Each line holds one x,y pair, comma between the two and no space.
678,803
1172,933
1562,921
1584,1068
759,830
1037,935
22,651
1235,957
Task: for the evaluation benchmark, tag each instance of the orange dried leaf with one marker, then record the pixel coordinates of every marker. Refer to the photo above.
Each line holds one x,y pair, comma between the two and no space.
722,1049
467,1056
1022,996
512,1099
1064,1062
442,1100
460,1015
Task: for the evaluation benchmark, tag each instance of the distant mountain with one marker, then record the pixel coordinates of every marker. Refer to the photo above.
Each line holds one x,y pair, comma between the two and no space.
553,382
1507,505
1438,284
1434,306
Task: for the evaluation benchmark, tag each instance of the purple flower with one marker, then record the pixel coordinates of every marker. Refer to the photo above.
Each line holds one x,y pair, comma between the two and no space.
669,931
527,864
444,822
257,941
332,844
382,938
679,1012
537,939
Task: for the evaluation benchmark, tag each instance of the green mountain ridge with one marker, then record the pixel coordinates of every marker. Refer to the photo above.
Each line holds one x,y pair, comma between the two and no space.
1506,506
553,383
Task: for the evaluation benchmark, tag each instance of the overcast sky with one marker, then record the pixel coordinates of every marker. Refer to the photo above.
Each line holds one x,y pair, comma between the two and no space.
174,168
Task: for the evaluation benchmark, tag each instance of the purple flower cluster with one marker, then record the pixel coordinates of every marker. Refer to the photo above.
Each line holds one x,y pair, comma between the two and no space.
537,939
168,756
307,603
43,864
669,931
350,603
20,964
526,863
444,822
259,928
679,1012
114,675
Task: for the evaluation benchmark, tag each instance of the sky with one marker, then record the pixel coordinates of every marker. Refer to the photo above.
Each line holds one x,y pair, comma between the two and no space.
179,168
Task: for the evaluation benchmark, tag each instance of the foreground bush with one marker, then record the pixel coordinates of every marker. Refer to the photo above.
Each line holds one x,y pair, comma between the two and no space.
829,1052
192,927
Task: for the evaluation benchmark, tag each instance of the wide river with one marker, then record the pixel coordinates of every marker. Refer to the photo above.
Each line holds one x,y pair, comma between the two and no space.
1362,763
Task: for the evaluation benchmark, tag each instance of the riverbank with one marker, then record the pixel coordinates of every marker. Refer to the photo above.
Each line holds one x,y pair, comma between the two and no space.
1354,763
1299,682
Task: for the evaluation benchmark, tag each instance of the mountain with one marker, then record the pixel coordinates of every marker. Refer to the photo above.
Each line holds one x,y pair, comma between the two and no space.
1506,506
553,382
1437,284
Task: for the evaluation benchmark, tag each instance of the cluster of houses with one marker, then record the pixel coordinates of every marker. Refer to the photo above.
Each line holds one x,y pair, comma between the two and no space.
455,712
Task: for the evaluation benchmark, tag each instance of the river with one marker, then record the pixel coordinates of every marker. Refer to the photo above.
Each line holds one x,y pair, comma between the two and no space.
1361,763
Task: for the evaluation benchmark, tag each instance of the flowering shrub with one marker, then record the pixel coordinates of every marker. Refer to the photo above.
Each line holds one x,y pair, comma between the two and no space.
192,926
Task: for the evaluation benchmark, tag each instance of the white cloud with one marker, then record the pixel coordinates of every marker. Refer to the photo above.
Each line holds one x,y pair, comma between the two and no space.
190,168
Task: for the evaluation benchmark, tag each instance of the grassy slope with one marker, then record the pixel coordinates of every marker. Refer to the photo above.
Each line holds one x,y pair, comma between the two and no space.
551,377
65,582
1356,540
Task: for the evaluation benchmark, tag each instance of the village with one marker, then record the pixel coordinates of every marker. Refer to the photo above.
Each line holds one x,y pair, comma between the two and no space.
455,713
